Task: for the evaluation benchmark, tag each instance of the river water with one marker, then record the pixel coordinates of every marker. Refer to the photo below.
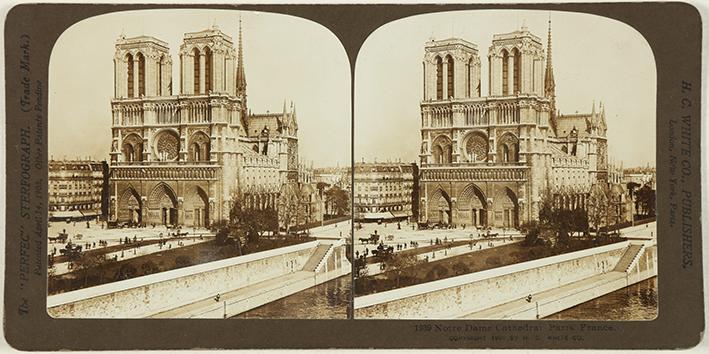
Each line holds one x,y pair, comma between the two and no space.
328,300
632,303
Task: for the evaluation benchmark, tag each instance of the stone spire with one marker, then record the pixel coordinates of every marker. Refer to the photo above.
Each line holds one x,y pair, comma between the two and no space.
240,75
549,85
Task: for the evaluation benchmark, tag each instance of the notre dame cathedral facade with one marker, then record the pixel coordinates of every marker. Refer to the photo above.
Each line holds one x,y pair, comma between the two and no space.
183,150
486,161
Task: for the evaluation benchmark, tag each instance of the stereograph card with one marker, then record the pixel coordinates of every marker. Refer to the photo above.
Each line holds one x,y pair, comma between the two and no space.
353,176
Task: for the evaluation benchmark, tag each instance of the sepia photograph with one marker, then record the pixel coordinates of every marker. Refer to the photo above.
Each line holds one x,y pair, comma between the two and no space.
505,169
197,167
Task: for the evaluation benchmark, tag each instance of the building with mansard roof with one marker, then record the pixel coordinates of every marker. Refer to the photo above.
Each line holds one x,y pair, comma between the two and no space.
183,149
488,160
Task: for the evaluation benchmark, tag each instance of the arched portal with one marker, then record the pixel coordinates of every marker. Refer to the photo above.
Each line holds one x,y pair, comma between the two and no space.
196,207
440,209
163,204
506,208
130,207
472,206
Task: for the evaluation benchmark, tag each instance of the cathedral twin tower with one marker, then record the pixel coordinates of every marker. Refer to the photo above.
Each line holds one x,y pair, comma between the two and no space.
487,160
182,158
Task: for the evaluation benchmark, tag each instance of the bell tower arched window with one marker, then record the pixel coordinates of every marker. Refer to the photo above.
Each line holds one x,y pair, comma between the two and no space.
160,69
129,60
141,74
451,91
439,78
196,70
208,70
505,70
517,82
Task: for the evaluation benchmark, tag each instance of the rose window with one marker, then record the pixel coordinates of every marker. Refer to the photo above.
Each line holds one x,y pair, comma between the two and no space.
476,148
167,146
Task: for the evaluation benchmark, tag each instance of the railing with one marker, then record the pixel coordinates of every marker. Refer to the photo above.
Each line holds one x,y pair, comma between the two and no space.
511,173
165,163
175,172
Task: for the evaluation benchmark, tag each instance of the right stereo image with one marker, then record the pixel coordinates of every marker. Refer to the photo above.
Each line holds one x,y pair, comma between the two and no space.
504,168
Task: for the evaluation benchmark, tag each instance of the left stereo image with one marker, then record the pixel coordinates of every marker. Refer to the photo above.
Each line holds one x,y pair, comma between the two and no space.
198,167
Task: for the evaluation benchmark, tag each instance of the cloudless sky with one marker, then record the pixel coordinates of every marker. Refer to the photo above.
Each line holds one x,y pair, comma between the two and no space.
285,58
594,58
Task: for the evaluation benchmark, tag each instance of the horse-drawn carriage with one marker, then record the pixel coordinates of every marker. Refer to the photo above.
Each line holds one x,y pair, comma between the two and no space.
61,238
71,250
373,239
383,252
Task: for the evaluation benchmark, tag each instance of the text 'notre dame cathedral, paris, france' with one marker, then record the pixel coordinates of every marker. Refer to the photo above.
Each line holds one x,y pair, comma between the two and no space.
182,158
487,161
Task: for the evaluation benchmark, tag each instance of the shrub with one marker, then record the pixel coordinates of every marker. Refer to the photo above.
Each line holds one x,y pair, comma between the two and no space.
461,268
126,271
183,261
149,267
493,261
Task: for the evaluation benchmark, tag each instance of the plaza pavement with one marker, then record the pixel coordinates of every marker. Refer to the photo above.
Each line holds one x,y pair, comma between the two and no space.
437,255
112,236
133,252
390,235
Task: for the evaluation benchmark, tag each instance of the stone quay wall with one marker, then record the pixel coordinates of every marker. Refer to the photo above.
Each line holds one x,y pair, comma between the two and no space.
154,293
465,294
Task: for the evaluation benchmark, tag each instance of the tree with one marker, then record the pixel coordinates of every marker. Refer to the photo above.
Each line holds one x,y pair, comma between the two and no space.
90,264
338,201
402,263
360,267
646,200
321,186
597,208
290,209
531,230
579,220
632,188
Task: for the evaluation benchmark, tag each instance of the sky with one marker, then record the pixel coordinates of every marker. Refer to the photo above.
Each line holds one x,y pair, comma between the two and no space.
594,58
286,58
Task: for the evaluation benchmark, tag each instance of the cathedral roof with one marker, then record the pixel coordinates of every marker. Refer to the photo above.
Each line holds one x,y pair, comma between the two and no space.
257,122
213,31
442,43
521,33
122,41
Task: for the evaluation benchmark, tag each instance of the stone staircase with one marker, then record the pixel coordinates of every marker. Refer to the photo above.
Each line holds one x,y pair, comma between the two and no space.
318,257
629,257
